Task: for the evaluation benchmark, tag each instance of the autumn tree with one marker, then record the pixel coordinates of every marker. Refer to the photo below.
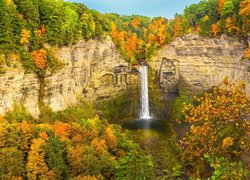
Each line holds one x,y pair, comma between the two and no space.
136,22
130,46
36,165
220,5
247,53
245,13
25,36
177,28
215,29
88,25
218,124
40,59
205,26
245,8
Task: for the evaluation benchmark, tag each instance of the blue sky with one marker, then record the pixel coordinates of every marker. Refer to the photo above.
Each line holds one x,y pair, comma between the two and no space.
152,8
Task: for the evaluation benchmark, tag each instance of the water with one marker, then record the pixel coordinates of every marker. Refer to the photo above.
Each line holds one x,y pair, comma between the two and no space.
144,103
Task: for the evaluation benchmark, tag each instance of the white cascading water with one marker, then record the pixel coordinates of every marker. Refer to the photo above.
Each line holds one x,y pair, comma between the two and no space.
144,104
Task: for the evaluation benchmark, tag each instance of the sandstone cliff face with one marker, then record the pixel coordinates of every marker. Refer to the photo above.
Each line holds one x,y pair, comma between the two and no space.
197,64
18,87
93,70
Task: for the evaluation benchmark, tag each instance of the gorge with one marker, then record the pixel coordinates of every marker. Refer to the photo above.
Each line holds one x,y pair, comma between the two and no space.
88,95
94,70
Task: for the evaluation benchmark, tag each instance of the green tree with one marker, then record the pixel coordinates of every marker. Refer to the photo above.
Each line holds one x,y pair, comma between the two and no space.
135,165
29,10
7,24
56,155
52,17
11,163
88,25
70,27
228,9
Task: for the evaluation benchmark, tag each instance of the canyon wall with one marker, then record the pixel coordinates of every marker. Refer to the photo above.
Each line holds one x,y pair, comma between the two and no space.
192,64
93,70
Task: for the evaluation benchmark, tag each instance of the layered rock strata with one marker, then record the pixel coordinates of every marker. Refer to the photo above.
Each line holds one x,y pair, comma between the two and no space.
195,64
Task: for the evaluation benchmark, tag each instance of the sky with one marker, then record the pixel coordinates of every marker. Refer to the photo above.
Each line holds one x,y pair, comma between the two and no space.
151,8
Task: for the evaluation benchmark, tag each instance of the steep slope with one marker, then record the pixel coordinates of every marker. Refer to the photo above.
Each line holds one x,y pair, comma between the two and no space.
192,63
93,70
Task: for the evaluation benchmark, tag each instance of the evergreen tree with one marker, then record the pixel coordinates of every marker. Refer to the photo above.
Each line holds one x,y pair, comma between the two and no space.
7,22
29,10
52,16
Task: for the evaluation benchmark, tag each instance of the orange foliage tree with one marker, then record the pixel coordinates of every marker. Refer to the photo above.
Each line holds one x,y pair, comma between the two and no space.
220,5
215,29
136,22
43,30
247,53
40,59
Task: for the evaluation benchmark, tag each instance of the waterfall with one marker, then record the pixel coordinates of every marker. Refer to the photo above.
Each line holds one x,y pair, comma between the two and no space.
144,103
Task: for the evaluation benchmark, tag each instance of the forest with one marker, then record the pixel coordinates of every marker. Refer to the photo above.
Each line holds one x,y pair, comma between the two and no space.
79,144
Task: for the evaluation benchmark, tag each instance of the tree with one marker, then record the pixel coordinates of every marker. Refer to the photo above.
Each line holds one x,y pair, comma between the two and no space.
36,165
55,157
245,13
88,25
220,5
247,53
40,59
205,26
218,124
136,22
245,8
70,27
177,28
11,163
228,9
134,166
52,17
215,29
7,22
25,36
29,10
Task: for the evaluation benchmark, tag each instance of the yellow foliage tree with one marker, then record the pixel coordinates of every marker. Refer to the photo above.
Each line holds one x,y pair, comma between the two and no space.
245,8
36,165
177,29
75,161
111,138
99,145
25,35
218,122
